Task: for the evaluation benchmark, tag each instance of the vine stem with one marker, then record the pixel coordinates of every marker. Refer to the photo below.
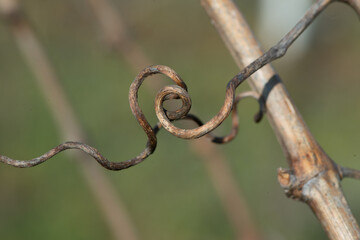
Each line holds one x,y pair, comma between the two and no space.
349,173
313,177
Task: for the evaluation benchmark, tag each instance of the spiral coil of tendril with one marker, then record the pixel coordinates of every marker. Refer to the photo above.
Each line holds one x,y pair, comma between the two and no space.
179,91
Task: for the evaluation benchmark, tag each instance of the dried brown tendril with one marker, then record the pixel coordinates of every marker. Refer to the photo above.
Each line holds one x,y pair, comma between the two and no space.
179,91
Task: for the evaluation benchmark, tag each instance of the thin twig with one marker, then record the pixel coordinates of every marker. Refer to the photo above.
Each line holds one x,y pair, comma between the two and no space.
180,91
349,173
64,146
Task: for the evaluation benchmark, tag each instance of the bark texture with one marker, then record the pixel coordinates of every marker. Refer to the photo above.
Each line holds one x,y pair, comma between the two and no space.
313,177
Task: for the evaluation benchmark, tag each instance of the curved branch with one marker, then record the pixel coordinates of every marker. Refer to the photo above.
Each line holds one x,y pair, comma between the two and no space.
355,4
349,173
179,91
93,152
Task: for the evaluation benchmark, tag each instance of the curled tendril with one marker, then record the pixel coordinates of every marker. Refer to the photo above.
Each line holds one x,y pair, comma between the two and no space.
235,118
203,129
179,91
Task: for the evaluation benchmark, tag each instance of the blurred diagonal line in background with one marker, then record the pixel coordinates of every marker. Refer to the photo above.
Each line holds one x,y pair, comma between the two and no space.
117,37
112,208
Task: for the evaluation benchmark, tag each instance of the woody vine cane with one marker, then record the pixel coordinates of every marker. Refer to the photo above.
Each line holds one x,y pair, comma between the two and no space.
310,166
312,177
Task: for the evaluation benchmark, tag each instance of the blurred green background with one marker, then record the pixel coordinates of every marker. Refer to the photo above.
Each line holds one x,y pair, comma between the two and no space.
169,196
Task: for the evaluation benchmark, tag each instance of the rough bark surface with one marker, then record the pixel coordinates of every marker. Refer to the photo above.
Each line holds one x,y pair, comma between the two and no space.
313,177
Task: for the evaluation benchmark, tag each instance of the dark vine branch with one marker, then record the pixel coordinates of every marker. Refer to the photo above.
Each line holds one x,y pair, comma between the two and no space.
179,91
349,173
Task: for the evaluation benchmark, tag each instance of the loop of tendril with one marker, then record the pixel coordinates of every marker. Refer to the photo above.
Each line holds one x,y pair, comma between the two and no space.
179,91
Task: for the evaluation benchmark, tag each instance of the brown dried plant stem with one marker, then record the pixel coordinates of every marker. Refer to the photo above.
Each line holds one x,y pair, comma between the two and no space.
113,210
349,173
117,37
313,177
